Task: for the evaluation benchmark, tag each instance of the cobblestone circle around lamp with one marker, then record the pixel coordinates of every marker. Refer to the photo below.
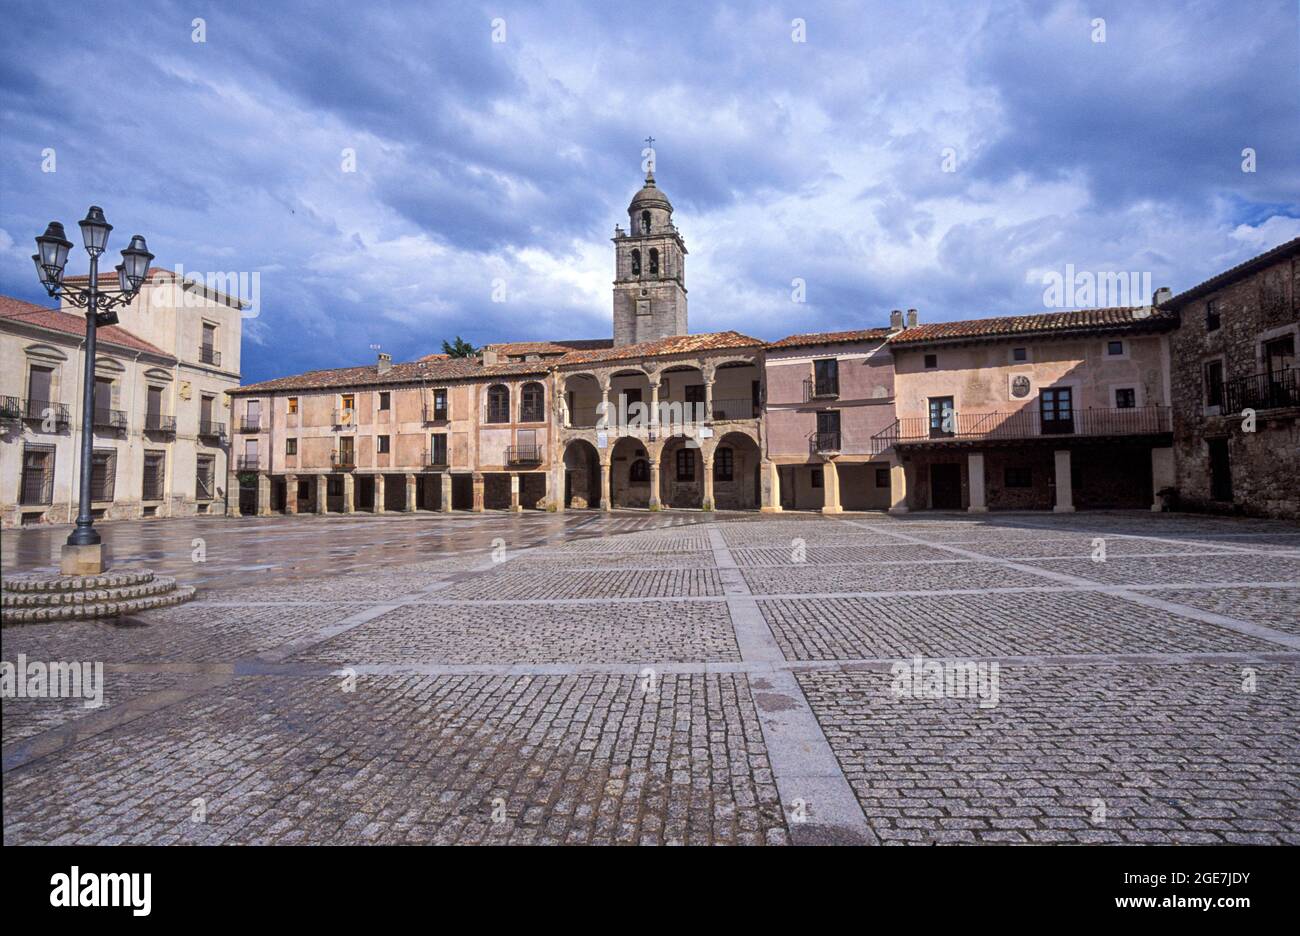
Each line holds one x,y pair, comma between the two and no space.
36,597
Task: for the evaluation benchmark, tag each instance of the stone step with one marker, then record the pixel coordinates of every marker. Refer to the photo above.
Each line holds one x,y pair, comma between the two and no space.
86,611
53,582
47,599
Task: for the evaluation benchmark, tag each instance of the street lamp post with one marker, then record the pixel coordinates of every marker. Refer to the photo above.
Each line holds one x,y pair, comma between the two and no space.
83,552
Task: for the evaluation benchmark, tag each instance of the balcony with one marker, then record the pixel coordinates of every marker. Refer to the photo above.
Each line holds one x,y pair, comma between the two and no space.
248,463
211,430
11,408
209,355
157,422
250,424
41,410
825,389
1275,390
824,443
343,460
345,419
434,414
735,409
1025,424
435,459
523,454
111,419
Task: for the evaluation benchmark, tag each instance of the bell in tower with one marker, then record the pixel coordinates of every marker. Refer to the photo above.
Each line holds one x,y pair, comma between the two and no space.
650,270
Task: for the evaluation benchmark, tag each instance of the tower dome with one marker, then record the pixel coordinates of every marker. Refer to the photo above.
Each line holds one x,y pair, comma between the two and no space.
650,196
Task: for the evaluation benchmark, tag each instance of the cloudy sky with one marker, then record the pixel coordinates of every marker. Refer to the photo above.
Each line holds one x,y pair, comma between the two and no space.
942,156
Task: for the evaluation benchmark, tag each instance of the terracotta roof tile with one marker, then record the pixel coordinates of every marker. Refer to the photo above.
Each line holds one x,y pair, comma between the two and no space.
73,324
1045,323
676,344
822,338
551,347
425,370
1269,257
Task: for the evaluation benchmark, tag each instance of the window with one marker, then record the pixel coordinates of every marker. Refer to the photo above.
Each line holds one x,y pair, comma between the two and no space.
817,476
654,262
1212,321
686,464
103,474
291,446
931,361
438,448
40,383
828,430
943,418
440,404
1114,348
208,348
645,222
723,464
636,262
532,407
498,404
385,400
205,476
882,477
293,405
38,476
155,464
1056,406
1020,355
382,443
1214,383
1018,476
1279,355
349,401
826,377
694,393
1125,398
153,408
639,472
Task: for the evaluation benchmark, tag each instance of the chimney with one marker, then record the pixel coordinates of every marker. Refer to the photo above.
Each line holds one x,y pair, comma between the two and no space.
1163,295
896,320
911,318
489,355
385,362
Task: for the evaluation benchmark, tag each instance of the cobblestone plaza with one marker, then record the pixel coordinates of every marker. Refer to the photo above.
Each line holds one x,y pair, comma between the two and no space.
674,677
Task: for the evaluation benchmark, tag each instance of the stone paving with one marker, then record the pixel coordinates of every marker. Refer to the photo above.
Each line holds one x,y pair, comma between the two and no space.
679,677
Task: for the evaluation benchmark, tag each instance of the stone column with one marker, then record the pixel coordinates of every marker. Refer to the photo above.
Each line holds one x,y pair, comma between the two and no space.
445,505
514,492
708,484
771,479
654,409
322,494
654,483
899,476
290,494
831,488
609,415
708,399
379,494
408,506
263,494
605,502
1162,475
975,477
349,492
1064,491
478,492
555,486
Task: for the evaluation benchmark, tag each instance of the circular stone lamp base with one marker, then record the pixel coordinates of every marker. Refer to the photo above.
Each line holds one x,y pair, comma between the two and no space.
34,597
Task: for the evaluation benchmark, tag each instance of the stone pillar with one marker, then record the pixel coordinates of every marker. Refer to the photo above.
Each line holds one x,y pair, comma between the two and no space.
831,488
349,492
654,482
1162,475
899,476
263,494
408,505
708,400
708,484
975,477
322,494
1064,491
514,492
446,492
654,414
290,494
609,415
379,494
771,478
605,502
555,486
478,492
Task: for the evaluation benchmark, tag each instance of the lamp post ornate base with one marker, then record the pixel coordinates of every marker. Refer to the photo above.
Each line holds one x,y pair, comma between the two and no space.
81,560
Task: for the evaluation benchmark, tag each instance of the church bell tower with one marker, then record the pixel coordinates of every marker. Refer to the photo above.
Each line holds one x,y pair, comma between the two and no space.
650,270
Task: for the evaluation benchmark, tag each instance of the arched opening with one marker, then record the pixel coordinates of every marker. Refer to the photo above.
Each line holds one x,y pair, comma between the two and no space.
682,396
629,479
532,402
736,391
654,262
737,473
629,399
645,222
636,262
681,474
581,400
581,475
498,404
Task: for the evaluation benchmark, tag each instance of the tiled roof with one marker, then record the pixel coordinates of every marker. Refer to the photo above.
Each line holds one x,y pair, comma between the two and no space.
823,338
551,347
73,324
1045,323
1281,252
676,344
108,280
421,371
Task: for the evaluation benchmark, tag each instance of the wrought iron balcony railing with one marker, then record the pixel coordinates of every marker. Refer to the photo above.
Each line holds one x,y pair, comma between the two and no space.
248,462
1024,424
41,410
435,413
110,419
1275,390
250,424
523,454
11,407
821,443
434,459
157,422
825,389
735,409
343,459
209,355
345,418
212,430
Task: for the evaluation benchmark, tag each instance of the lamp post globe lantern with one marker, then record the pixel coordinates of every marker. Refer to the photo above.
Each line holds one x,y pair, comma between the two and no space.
82,553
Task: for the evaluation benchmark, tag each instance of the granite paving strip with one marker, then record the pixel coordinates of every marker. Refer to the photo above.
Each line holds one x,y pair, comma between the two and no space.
821,807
